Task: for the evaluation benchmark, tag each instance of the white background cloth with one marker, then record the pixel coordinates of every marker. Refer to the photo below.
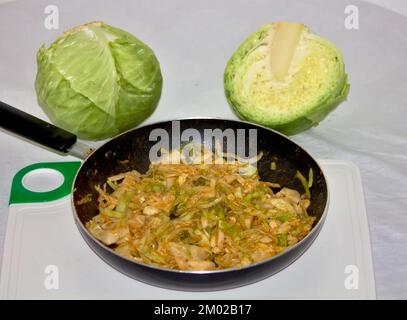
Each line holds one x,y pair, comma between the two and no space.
193,41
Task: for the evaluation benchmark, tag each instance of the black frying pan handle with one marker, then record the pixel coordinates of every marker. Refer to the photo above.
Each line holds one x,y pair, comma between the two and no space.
34,129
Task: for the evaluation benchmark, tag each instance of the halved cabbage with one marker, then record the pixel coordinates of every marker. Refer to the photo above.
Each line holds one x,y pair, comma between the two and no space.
285,77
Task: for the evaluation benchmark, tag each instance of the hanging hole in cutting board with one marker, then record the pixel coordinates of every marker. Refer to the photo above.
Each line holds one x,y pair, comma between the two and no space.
43,180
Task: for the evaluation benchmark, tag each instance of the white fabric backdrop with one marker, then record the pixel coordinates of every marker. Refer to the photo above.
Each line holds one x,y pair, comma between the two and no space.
369,129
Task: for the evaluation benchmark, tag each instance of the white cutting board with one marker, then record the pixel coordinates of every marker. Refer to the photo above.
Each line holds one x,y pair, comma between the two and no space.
45,257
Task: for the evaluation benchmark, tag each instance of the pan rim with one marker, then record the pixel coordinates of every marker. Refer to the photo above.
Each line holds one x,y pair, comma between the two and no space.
315,229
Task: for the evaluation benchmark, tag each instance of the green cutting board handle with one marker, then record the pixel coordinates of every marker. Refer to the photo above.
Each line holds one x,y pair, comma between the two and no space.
20,194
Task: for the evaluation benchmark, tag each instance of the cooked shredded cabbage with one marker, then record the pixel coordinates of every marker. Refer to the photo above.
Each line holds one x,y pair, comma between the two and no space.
199,216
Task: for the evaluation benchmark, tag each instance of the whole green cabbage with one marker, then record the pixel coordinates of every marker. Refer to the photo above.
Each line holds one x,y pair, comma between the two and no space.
97,81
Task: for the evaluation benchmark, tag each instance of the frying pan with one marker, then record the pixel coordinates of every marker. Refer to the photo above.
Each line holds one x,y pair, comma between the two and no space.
134,146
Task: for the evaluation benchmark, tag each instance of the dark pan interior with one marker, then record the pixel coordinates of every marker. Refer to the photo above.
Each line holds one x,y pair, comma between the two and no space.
134,146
